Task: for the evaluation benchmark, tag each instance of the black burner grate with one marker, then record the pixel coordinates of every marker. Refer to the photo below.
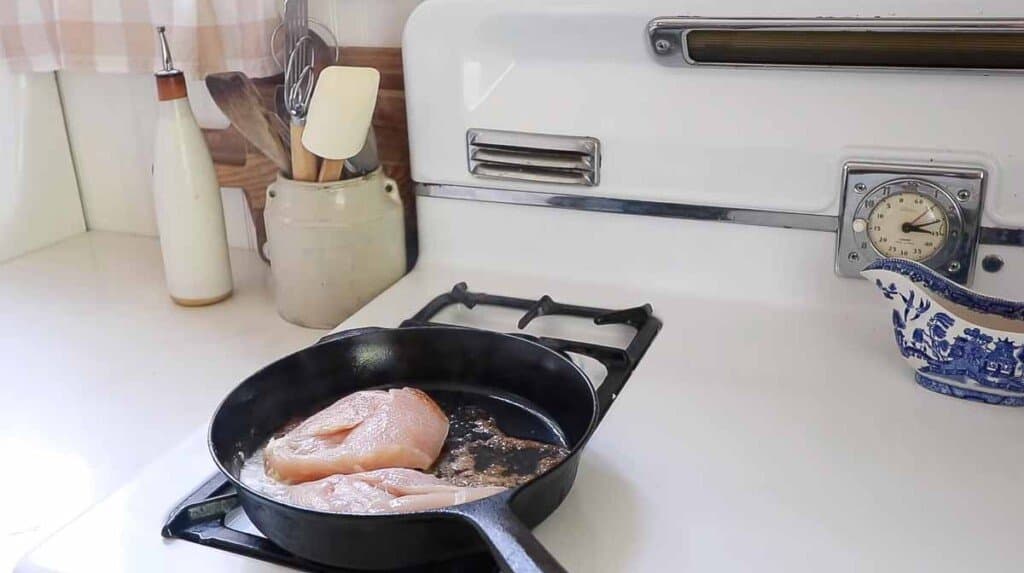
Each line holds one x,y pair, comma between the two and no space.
200,518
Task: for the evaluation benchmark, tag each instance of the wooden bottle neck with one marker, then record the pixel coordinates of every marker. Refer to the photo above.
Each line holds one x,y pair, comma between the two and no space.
171,86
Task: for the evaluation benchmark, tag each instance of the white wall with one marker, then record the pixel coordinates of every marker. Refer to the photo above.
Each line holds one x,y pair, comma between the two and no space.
111,122
111,127
39,202
364,22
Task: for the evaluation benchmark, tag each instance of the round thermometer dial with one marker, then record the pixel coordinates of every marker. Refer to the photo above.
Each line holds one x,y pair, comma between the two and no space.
909,225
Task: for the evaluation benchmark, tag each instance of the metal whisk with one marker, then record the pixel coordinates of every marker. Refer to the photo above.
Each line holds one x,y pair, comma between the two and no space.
299,79
297,51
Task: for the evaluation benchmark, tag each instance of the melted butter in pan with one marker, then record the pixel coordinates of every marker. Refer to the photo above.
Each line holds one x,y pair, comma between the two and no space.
478,453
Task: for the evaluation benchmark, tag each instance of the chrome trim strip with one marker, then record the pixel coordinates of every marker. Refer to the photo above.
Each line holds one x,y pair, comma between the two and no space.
901,169
1004,237
666,36
827,223
783,219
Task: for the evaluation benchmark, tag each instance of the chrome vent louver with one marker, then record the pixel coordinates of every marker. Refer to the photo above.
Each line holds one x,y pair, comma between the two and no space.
534,157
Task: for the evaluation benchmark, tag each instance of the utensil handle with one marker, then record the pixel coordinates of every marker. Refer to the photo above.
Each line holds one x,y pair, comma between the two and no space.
512,544
330,170
303,160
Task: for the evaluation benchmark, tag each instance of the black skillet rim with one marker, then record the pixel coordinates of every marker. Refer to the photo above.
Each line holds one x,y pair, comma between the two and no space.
508,495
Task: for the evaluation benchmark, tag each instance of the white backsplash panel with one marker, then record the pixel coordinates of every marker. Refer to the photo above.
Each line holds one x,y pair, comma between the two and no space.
113,151
111,125
39,202
755,138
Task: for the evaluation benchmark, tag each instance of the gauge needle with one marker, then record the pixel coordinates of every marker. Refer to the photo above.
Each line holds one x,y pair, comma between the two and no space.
926,211
912,228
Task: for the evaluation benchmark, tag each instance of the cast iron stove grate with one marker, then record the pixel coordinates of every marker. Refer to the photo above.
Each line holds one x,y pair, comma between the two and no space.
202,517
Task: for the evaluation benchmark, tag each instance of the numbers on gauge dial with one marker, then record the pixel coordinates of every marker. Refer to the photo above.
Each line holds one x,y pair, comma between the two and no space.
907,225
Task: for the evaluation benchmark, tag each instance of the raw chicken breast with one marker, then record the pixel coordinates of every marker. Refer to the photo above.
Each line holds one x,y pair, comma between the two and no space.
363,431
392,490
405,482
425,501
338,494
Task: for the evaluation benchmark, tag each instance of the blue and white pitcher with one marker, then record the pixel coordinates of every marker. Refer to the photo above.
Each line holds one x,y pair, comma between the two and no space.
959,342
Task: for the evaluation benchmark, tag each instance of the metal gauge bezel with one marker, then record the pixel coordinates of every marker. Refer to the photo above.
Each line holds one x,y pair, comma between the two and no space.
959,190
912,186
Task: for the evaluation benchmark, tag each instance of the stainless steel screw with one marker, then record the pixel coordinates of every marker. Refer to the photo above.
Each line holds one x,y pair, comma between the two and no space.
860,188
953,267
963,194
853,256
662,46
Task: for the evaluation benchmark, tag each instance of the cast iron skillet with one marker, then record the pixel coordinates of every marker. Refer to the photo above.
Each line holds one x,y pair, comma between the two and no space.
532,391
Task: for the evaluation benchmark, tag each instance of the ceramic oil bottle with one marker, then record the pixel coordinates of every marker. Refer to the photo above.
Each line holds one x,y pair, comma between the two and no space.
189,212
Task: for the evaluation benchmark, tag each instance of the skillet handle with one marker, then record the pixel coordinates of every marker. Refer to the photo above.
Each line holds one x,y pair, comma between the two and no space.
512,544
346,334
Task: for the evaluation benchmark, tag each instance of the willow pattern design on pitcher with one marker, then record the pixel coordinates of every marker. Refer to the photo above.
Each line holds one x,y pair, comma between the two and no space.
973,354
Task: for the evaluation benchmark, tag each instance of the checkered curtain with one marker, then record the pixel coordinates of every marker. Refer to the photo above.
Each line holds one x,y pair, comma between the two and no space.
118,36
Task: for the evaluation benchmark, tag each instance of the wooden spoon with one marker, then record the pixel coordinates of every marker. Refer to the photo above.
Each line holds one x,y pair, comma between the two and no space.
236,96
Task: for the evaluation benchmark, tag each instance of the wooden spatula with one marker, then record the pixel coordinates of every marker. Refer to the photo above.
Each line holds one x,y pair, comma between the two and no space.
236,96
339,116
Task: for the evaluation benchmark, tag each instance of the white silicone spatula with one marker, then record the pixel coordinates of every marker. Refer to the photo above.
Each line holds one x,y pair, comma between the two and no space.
339,116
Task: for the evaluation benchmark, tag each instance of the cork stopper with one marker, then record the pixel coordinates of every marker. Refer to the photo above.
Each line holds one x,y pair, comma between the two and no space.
170,82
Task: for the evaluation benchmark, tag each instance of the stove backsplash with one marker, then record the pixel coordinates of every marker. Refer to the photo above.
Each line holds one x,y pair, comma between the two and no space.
773,139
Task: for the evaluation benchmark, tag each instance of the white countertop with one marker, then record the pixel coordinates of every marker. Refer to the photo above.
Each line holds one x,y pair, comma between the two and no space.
753,436
102,373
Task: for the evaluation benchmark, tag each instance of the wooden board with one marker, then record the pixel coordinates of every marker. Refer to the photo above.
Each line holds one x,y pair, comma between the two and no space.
240,165
390,124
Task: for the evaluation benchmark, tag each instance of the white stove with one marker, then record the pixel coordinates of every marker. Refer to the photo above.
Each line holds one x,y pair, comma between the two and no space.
772,425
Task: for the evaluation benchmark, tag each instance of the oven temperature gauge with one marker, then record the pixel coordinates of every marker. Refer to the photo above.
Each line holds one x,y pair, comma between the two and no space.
911,213
906,224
